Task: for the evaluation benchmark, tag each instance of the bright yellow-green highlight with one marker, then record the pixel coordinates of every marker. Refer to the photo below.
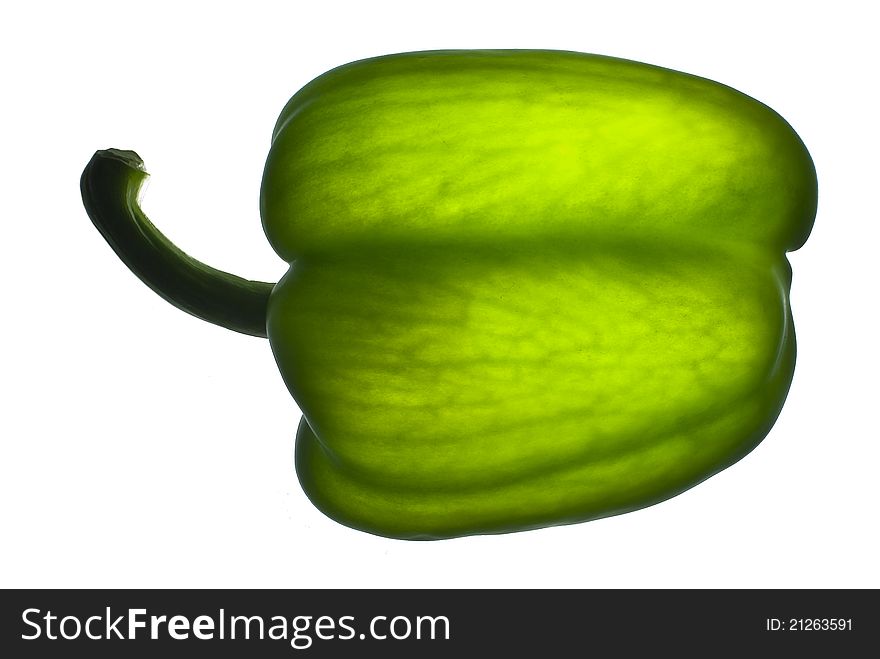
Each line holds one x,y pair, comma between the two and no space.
528,288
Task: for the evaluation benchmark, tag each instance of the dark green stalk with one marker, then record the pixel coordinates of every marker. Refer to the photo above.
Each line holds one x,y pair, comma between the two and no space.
110,185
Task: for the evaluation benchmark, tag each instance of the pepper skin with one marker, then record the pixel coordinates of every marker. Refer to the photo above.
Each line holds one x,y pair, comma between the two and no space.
526,288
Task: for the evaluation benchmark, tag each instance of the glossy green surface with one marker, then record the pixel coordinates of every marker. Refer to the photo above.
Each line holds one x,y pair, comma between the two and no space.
527,288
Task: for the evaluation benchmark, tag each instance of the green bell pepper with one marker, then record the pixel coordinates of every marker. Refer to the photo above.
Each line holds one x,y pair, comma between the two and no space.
526,288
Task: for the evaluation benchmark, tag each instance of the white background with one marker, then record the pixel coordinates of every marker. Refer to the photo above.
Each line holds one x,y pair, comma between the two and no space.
144,448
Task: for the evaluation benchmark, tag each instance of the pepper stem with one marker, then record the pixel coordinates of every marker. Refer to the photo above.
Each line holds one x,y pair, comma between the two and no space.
110,185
